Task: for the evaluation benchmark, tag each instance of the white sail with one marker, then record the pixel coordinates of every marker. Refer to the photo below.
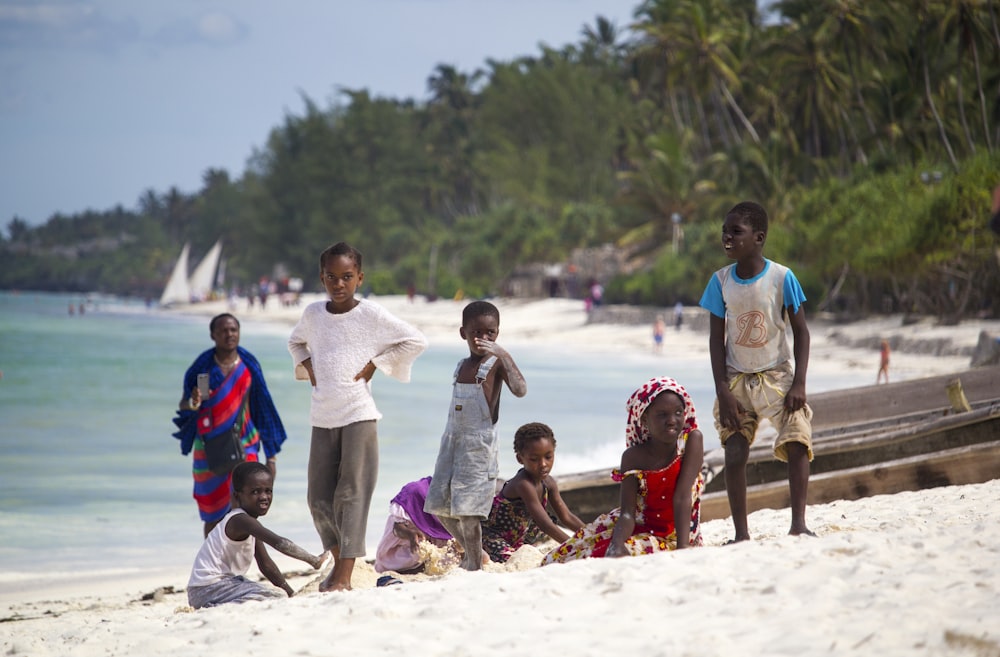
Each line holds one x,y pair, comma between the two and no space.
177,290
202,280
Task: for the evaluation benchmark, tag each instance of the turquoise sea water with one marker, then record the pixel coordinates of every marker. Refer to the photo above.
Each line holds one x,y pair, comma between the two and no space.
93,480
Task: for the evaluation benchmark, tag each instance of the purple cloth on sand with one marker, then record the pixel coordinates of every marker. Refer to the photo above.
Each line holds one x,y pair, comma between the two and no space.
411,497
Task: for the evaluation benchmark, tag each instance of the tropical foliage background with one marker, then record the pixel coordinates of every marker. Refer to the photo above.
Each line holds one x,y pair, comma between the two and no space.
869,130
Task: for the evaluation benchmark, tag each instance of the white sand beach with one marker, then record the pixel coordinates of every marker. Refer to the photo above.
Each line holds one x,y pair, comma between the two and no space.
907,574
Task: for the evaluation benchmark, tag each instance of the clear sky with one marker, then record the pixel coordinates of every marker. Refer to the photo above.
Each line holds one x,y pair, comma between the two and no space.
101,100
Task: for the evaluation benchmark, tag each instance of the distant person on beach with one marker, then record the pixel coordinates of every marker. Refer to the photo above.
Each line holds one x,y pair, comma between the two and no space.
238,401
678,315
883,368
659,328
337,345
596,293
661,481
751,302
520,513
464,481
224,558
407,526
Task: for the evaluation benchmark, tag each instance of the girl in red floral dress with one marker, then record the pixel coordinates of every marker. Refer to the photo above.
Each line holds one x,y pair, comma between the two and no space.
660,477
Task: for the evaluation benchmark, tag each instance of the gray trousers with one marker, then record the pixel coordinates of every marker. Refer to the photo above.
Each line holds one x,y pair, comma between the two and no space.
343,469
231,588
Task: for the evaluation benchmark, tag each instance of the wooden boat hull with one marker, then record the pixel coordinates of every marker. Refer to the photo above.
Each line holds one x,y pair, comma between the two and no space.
968,464
867,441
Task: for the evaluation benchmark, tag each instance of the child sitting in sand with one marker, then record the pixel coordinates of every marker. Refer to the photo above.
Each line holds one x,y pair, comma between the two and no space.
519,513
661,480
224,558
407,527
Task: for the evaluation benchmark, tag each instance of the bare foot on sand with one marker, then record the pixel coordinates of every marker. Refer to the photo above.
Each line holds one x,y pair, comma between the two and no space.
339,578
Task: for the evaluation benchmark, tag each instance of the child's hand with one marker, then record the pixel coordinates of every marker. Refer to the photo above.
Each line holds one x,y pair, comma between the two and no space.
490,347
366,372
796,397
320,560
308,365
730,411
409,532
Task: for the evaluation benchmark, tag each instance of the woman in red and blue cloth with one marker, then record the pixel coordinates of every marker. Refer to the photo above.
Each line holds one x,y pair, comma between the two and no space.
238,397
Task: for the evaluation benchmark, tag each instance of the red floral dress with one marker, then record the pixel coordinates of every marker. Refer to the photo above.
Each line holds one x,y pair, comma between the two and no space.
654,519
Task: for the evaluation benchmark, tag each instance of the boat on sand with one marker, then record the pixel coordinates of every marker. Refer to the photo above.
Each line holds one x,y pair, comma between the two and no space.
872,440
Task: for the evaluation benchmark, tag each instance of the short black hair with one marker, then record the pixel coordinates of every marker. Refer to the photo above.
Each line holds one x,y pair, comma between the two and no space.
340,249
243,471
529,433
479,309
219,318
753,214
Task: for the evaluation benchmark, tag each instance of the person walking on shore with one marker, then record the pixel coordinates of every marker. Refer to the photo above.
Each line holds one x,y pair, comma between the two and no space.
751,302
337,345
883,367
659,328
238,401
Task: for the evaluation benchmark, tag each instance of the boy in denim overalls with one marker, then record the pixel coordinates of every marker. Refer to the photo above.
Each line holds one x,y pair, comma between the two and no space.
464,481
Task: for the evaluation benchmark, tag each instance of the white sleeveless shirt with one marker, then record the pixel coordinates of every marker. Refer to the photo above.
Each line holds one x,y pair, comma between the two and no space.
220,555
756,338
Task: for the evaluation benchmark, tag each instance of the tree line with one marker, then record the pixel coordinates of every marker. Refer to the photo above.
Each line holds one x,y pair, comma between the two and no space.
869,131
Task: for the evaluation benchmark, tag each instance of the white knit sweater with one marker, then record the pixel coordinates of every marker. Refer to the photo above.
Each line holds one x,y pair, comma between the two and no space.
340,346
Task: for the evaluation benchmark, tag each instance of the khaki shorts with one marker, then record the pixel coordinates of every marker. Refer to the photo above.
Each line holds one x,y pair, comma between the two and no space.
762,395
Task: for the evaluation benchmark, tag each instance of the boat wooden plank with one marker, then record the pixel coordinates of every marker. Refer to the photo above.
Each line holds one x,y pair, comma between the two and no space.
838,407
590,493
971,464
978,426
864,428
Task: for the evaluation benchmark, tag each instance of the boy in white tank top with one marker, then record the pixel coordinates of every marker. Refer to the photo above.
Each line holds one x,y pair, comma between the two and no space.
752,304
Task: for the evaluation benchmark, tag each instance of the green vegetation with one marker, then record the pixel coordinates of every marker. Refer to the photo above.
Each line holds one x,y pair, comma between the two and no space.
869,130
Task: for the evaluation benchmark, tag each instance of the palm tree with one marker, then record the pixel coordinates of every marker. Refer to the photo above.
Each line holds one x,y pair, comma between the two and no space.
689,42
450,123
927,17
814,88
601,42
964,19
856,28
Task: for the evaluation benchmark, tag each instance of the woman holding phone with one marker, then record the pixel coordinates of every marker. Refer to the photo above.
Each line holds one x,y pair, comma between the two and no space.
225,402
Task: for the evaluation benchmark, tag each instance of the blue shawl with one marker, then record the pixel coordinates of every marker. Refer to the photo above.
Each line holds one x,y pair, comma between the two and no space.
262,411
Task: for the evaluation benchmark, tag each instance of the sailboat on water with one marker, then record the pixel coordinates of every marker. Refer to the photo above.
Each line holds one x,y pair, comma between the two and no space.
177,290
182,288
202,280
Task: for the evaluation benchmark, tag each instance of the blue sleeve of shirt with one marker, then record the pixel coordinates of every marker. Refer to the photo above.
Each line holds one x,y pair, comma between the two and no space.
712,300
794,296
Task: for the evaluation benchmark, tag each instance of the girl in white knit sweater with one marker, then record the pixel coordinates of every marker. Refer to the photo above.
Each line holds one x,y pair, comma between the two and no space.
338,345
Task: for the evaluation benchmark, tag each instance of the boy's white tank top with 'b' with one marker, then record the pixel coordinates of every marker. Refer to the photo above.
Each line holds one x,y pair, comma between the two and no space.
755,319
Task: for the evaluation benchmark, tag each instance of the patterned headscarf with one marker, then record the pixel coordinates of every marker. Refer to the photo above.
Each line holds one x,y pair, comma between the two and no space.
640,400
